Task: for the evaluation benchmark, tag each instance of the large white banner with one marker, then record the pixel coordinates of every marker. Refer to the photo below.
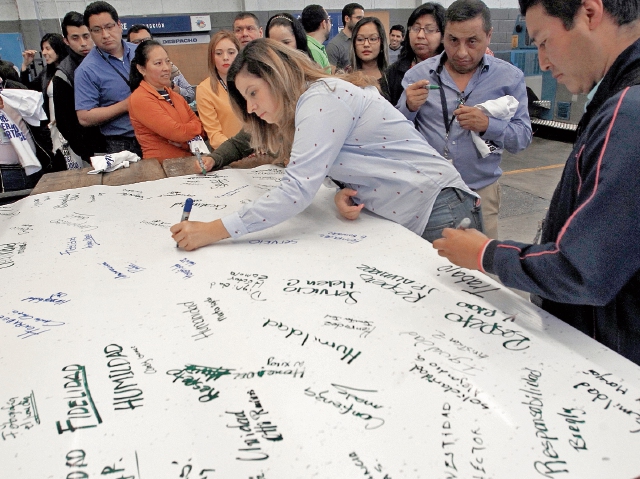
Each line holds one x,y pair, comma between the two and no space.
320,348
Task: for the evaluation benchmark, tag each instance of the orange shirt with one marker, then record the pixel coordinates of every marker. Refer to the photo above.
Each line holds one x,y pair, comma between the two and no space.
156,123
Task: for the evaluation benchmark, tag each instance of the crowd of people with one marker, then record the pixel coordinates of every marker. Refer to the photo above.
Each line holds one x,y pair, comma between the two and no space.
428,112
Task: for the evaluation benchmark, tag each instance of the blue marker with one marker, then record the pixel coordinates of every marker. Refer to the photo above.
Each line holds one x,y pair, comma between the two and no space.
186,211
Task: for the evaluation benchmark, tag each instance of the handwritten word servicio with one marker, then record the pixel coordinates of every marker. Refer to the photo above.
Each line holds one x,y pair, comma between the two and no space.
323,288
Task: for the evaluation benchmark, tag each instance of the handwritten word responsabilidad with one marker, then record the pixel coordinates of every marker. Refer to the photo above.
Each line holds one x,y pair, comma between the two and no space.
535,403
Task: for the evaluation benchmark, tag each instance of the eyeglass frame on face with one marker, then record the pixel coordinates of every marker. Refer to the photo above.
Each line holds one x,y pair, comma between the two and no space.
138,41
362,40
416,29
97,30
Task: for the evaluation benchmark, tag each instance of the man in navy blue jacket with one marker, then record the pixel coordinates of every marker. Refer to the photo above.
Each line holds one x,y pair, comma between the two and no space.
586,270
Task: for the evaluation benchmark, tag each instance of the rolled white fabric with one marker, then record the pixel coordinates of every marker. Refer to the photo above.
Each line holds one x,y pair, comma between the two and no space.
502,108
112,162
27,102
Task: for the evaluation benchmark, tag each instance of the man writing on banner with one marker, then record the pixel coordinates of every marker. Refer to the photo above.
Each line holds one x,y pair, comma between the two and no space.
466,76
586,270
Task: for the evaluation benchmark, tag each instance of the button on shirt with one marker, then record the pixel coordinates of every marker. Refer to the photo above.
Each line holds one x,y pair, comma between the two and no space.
98,85
355,137
493,79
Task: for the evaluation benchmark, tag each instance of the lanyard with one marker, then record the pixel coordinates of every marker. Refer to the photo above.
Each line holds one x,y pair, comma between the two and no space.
445,111
111,65
224,85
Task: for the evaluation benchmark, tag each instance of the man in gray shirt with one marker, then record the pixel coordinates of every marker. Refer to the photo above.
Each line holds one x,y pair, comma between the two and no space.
339,48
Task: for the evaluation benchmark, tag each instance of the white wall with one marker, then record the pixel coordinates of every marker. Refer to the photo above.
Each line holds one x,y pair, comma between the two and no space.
46,9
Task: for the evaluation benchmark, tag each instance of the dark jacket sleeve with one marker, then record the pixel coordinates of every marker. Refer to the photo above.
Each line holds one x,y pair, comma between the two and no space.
594,251
233,149
35,84
85,142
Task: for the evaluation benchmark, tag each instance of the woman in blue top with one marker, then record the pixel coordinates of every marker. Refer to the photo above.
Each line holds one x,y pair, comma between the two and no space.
339,129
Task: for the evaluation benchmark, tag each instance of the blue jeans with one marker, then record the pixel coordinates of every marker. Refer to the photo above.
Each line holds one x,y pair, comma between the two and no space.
452,206
13,178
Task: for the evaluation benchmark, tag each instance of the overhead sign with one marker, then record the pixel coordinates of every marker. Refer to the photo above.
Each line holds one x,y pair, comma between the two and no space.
169,24
184,39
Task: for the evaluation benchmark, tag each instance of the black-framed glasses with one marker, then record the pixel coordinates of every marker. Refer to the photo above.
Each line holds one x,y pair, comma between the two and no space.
108,27
427,30
372,40
138,41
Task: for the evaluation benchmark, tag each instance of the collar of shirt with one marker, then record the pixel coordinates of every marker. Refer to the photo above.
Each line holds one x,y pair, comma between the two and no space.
315,43
591,94
128,51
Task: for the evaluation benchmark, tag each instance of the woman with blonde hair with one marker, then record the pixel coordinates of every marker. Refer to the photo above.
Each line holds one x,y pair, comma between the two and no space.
212,95
344,130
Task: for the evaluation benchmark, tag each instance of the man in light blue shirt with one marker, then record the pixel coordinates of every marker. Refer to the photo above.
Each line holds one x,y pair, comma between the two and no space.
446,116
102,80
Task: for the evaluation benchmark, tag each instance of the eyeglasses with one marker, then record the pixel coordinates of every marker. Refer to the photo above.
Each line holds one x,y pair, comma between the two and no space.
372,40
138,41
427,30
108,28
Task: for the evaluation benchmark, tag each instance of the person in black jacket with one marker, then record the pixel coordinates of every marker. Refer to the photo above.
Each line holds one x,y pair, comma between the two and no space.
53,51
84,142
423,40
586,270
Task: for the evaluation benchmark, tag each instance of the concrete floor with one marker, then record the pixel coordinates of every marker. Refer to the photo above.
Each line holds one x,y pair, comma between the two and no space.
529,180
